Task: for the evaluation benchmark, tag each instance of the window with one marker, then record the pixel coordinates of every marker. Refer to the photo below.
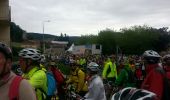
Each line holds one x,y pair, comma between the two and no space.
97,46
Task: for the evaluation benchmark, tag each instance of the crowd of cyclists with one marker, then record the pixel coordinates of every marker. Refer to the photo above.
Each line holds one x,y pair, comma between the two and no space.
91,77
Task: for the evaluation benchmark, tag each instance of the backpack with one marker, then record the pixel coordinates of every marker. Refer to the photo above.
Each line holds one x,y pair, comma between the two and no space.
51,84
58,76
166,83
14,88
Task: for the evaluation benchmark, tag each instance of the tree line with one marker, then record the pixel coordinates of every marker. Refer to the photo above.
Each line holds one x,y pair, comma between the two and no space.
133,40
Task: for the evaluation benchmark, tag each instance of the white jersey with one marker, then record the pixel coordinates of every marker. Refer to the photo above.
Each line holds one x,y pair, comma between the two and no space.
96,89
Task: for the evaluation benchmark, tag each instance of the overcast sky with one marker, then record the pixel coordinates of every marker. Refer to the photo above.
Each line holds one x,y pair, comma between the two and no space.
77,17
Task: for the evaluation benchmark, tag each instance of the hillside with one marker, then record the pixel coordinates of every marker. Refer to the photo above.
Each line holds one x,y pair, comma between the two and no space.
39,36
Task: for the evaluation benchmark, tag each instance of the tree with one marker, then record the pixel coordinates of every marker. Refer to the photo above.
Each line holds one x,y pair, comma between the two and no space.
137,39
163,40
16,33
62,37
87,39
107,38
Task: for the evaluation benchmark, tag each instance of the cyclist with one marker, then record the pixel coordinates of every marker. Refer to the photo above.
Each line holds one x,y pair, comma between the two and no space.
154,79
52,83
138,74
95,84
109,71
30,63
77,78
126,76
166,60
23,91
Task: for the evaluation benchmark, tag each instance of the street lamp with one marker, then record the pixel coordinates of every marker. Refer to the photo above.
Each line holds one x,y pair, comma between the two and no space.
43,23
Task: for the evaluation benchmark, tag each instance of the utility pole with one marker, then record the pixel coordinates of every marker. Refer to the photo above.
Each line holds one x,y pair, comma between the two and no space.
43,24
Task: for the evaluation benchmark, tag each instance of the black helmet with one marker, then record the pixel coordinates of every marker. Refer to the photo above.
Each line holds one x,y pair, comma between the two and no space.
5,50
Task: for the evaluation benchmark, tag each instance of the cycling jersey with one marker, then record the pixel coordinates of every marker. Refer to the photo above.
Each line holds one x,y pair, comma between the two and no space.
37,78
109,70
77,77
96,89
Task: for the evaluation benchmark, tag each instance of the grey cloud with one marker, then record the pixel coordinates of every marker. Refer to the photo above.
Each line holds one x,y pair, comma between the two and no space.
88,16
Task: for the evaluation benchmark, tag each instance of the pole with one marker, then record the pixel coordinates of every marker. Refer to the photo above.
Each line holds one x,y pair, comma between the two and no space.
43,39
117,55
44,34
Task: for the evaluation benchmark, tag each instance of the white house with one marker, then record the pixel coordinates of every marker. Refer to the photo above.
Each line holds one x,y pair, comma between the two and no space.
85,49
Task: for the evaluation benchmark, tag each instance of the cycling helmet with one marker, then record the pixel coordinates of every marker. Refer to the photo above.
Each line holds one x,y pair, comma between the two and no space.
30,53
130,93
151,53
93,66
5,50
151,56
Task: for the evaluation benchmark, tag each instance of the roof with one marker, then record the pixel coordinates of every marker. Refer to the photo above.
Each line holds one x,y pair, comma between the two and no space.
59,42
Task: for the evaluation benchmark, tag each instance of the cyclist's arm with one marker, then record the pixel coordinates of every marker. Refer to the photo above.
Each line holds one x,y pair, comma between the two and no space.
26,92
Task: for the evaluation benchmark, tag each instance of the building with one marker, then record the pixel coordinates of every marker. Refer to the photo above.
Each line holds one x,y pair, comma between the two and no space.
86,49
5,18
55,47
30,44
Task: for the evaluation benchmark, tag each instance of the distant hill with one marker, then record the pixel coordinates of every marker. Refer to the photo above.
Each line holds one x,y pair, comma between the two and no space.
18,35
39,36
73,39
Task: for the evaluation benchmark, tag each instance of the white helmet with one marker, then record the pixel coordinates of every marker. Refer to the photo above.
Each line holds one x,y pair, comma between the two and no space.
93,66
30,53
151,53
130,93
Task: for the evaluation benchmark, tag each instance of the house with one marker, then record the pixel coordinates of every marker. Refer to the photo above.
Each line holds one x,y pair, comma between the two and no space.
30,44
55,47
86,49
5,18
